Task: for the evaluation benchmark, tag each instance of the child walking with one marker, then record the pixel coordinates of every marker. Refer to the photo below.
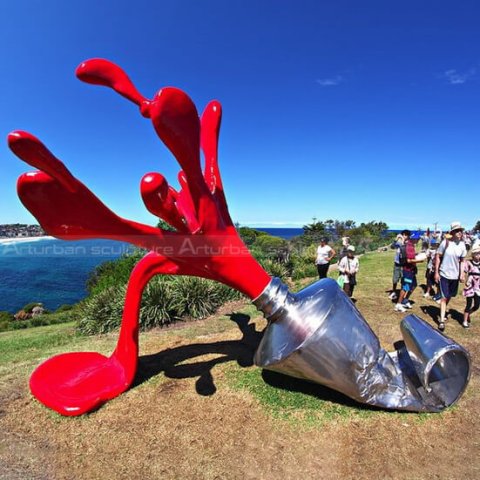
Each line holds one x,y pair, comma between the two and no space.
472,285
348,268
430,271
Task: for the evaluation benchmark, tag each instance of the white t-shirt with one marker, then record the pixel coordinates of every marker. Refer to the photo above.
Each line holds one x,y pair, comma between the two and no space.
351,264
450,262
323,253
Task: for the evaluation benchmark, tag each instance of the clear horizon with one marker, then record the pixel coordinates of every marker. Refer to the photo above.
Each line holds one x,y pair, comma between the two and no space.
330,109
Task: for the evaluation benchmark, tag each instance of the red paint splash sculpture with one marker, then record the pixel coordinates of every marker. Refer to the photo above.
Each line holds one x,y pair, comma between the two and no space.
205,243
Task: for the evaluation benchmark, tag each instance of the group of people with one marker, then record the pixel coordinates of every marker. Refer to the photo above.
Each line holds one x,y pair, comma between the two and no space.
448,266
348,264
452,258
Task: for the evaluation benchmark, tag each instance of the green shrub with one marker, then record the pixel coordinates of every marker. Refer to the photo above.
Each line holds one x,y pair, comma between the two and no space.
165,300
258,253
273,248
102,312
228,294
38,321
64,308
268,242
63,316
6,316
18,325
5,325
157,304
302,262
275,269
304,271
248,235
195,297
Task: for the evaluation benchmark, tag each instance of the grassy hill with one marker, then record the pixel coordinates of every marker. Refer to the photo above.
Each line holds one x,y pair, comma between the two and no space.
200,410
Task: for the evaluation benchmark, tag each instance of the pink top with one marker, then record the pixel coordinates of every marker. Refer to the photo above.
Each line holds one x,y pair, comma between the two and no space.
472,286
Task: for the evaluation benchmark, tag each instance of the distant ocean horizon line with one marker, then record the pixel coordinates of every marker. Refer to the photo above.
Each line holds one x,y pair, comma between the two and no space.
288,233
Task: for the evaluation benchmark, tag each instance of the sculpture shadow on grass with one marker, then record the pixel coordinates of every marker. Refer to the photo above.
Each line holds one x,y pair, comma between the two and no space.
173,361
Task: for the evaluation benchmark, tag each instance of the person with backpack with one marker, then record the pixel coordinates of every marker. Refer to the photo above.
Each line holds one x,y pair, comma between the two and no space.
408,261
449,268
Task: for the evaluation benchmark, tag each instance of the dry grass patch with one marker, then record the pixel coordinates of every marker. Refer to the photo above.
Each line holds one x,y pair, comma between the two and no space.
200,410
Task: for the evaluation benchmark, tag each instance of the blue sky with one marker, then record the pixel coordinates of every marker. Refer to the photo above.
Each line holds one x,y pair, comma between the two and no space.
331,109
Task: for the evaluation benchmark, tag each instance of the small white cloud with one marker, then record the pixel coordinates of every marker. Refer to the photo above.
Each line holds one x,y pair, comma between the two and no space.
458,78
330,82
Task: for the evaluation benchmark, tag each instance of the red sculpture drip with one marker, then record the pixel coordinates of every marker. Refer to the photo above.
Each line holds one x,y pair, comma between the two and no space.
205,242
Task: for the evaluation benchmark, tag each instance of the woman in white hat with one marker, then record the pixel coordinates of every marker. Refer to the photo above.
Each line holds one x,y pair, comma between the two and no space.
472,285
449,264
348,268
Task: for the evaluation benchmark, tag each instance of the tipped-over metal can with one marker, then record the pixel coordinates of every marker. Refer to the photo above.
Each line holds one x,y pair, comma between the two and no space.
319,335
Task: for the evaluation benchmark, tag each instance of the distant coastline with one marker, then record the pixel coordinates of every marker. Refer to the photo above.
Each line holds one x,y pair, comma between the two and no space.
11,240
20,230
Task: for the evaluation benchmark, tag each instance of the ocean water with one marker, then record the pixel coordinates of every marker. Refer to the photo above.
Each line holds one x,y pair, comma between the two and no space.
286,233
53,272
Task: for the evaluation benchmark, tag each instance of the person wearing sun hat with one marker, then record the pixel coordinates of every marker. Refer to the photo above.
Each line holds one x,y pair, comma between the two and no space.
348,269
472,285
449,268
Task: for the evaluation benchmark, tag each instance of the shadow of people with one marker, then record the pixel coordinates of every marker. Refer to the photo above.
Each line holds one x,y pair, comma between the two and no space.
432,311
456,315
175,362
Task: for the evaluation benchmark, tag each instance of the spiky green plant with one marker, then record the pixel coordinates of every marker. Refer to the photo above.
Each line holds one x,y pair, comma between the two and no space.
157,304
102,312
195,297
